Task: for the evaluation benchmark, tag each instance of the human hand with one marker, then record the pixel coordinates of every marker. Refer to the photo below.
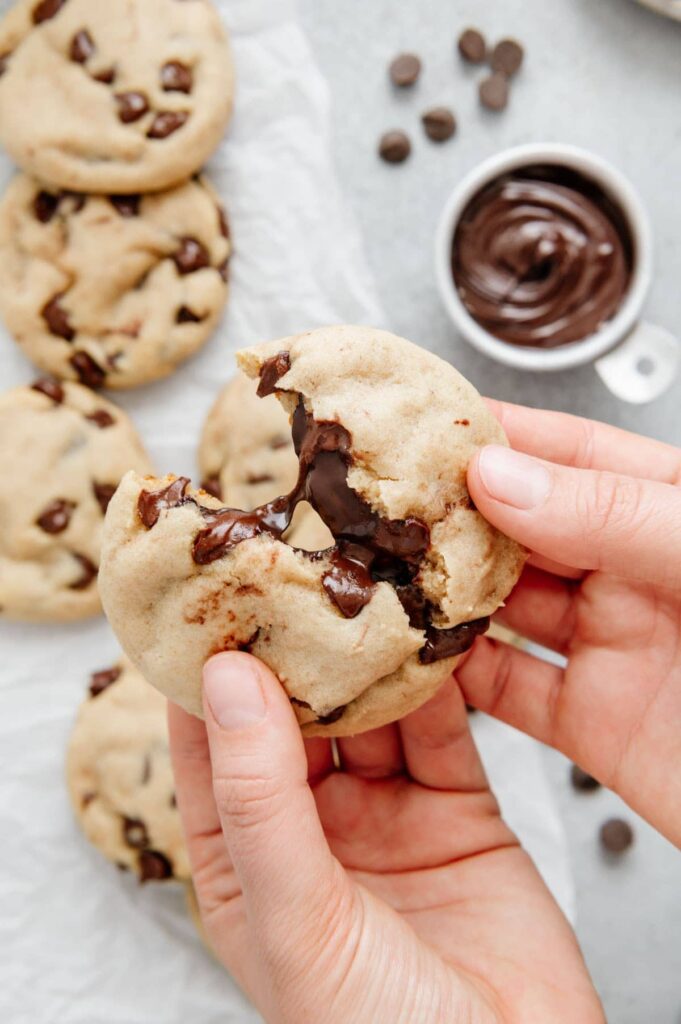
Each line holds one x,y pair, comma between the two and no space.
602,516
388,891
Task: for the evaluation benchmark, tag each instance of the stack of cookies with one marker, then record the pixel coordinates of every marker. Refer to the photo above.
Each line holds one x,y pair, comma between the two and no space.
114,267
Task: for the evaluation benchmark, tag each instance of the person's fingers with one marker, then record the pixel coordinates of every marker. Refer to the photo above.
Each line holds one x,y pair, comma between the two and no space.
288,876
372,755
568,572
586,518
587,444
438,747
319,758
542,608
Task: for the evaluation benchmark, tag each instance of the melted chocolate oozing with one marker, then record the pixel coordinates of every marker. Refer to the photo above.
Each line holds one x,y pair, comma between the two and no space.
151,503
273,369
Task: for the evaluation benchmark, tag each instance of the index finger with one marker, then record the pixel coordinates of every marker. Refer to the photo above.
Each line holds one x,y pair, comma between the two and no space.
587,444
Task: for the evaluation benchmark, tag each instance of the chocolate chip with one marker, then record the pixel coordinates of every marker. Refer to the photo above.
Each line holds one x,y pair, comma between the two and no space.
45,205
82,47
104,493
279,442
88,574
445,643
57,319
77,200
259,478
4,61
101,418
173,801
150,504
176,77
187,316
191,256
223,222
146,771
46,9
51,388
301,703
127,206
394,147
582,780
154,866
167,122
405,69
348,583
616,835
211,484
332,716
56,516
271,372
472,46
507,57
135,833
439,124
107,76
131,106
223,270
494,92
100,681
89,372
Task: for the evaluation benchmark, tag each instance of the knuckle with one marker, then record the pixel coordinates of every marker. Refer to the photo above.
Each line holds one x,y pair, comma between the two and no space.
247,799
585,442
611,506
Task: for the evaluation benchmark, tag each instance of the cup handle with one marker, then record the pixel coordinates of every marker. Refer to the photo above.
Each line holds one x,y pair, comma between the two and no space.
643,366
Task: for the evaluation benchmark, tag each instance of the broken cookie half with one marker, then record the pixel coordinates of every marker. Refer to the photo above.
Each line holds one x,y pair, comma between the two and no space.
366,630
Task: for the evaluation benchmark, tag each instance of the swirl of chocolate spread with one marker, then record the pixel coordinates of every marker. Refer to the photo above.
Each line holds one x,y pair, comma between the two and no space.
542,257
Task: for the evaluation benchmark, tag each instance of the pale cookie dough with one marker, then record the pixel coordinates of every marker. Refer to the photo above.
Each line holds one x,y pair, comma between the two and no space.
359,634
113,291
120,777
63,451
246,458
117,96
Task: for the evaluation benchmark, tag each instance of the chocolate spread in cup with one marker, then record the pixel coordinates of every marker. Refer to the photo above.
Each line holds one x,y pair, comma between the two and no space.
542,257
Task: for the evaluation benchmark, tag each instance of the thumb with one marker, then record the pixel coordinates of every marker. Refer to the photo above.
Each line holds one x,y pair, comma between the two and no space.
288,875
583,518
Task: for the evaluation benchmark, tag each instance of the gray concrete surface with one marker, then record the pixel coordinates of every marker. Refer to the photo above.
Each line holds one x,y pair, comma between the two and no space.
605,74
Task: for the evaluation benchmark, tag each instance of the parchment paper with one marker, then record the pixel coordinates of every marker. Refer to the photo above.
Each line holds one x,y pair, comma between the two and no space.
81,943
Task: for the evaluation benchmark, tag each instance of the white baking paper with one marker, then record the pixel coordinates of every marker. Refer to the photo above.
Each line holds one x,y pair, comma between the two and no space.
81,943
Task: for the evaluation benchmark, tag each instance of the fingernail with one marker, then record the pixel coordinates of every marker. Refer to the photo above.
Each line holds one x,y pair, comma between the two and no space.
513,478
231,684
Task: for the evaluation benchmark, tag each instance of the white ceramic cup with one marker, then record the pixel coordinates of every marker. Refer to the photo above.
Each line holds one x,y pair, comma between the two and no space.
637,361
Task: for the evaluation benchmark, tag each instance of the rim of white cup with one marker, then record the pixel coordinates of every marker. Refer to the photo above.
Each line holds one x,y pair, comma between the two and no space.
617,186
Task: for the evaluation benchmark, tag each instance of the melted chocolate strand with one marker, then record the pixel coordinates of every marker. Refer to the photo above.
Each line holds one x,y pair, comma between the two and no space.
445,643
150,504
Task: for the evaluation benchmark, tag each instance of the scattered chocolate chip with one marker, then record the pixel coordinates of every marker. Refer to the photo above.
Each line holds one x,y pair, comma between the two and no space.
259,478
99,681
107,76
51,388
223,270
616,835
150,504
146,771
332,716
280,442
167,122
46,9
101,418
82,47
405,69
131,106
191,256
211,484
394,147
89,372
223,222
462,423
507,57
89,572
582,780
271,372
45,205
135,833
185,315
494,92
154,867
104,493
127,206
176,77
57,319
445,643
56,516
439,124
472,46
4,61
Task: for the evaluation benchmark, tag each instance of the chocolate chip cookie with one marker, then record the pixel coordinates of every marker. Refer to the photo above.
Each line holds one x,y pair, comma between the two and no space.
120,778
112,291
247,458
367,630
63,451
113,97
